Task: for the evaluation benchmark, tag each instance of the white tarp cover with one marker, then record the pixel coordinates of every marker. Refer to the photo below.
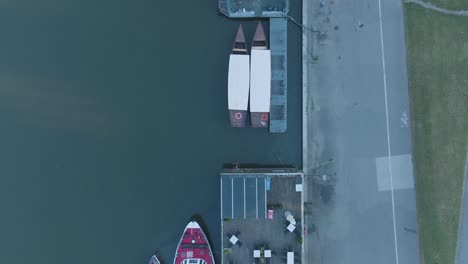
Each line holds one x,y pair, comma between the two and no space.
260,81
238,82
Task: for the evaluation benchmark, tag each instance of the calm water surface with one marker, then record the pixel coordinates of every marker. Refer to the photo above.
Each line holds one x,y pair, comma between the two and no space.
114,126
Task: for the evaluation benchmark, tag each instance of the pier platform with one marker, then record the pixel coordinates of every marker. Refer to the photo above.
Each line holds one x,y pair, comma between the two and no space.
279,74
254,206
253,8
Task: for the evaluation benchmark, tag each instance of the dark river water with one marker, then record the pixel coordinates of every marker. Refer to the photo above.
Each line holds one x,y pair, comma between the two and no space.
114,126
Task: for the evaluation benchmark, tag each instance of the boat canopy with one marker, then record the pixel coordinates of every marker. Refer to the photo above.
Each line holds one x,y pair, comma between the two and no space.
238,82
260,81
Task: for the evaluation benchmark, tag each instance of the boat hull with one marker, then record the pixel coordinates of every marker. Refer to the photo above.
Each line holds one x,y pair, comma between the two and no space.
238,81
154,260
260,87
260,80
259,119
193,246
237,118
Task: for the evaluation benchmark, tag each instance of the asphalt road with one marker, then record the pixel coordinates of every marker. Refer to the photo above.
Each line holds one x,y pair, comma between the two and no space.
358,115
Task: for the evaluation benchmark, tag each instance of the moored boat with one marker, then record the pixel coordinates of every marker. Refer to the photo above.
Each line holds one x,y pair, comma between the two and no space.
260,79
238,81
154,260
193,247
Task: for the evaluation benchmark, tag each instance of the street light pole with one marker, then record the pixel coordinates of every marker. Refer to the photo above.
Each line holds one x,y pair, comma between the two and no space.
321,164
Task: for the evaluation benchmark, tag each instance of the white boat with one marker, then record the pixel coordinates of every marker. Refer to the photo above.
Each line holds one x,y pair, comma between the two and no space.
260,79
154,260
238,81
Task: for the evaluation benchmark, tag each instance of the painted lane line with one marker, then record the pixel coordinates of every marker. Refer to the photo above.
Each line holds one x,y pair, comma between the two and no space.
388,131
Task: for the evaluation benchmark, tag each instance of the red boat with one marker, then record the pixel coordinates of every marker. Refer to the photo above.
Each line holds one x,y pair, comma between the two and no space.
193,247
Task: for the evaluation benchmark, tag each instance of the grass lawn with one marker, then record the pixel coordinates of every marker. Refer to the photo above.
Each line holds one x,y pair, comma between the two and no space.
451,4
437,54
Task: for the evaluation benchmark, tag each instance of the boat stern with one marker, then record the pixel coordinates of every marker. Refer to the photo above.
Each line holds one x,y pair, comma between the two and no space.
237,118
259,119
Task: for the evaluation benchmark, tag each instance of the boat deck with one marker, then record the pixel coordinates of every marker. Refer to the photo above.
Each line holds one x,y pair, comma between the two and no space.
193,245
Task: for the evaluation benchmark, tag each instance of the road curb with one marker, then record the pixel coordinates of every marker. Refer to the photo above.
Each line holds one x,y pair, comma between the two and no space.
457,260
305,161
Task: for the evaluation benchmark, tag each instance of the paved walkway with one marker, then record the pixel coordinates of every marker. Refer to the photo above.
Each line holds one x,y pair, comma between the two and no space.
462,249
356,114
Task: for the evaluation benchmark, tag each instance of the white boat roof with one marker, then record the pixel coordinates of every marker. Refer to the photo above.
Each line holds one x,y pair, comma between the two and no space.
238,82
260,81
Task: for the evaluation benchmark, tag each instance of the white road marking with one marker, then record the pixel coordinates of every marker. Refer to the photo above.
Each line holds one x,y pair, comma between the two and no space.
256,197
404,119
245,203
388,131
232,197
